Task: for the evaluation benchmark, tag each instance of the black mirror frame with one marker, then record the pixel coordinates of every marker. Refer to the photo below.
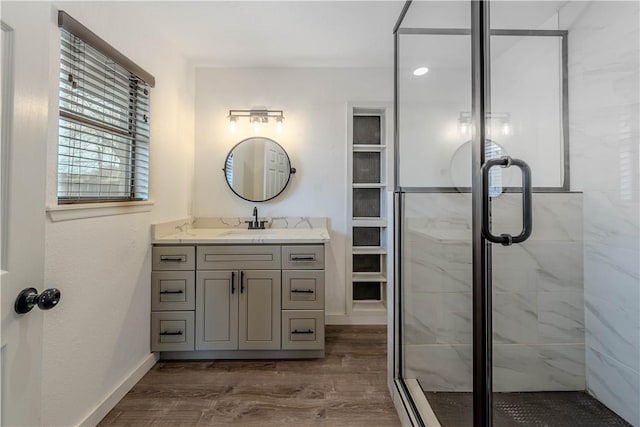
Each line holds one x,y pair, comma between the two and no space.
292,170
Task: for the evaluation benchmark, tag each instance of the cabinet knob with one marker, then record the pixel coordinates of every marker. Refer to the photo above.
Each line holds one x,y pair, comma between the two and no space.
29,298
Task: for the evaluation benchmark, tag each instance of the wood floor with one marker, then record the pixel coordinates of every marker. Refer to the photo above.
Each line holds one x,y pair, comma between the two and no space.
345,389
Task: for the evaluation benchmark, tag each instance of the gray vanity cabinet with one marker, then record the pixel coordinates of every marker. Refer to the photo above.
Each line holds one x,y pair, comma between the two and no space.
238,301
238,310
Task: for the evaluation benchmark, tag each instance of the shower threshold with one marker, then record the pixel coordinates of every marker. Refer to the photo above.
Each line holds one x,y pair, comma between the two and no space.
548,409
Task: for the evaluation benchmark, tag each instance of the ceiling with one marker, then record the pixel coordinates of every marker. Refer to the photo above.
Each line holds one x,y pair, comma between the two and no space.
300,33
272,33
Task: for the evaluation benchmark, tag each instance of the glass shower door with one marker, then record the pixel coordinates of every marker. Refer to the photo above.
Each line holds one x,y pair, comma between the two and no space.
562,351
433,182
518,212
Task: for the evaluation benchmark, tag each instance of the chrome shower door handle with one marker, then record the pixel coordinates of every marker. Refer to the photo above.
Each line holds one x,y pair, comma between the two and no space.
527,206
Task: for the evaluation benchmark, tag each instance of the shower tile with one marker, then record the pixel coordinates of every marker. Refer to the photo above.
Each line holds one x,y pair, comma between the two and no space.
611,220
553,265
556,217
561,317
440,367
439,210
563,366
613,275
421,318
613,330
428,278
615,385
513,279
516,368
538,367
515,317
455,318
440,254
569,280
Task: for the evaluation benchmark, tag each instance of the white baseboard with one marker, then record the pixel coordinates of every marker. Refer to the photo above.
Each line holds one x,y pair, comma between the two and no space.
359,319
110,401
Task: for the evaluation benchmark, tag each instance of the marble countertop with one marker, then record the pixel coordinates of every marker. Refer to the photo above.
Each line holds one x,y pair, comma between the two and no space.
225,235
234,231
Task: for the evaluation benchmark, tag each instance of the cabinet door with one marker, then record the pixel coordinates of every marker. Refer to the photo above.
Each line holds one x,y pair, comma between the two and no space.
217,310
260,304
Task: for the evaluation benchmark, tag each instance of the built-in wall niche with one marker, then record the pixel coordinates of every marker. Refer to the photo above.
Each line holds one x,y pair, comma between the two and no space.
366,236
367,177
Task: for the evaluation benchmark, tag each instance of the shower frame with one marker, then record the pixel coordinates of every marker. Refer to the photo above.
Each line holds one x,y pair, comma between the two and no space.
480,33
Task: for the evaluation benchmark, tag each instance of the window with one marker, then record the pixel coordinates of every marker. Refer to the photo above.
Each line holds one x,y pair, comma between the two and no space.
228,169
103,136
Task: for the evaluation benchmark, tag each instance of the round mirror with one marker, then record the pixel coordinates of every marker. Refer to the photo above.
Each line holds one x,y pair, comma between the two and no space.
257,169
460,168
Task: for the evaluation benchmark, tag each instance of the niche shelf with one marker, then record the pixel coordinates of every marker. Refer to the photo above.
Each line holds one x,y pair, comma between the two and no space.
369,128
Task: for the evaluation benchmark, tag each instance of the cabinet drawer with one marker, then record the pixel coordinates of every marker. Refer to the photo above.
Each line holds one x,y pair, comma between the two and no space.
250,257
302,329
172,290
303,289
172,331
303,257
173,258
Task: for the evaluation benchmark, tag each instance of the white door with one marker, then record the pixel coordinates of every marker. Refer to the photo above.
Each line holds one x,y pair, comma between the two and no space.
275,171
24,106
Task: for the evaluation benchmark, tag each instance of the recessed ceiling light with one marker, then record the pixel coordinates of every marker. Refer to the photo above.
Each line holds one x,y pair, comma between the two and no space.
420,71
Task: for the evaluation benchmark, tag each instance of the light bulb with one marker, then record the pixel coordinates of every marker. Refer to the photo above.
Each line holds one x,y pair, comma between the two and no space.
421,71
464,129
255,124
233,124
506,129
279,122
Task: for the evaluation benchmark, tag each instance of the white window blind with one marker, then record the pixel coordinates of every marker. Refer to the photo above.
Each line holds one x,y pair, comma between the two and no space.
228,169
103,137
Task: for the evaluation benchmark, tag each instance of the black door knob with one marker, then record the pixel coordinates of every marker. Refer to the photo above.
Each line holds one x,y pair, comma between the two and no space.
29,298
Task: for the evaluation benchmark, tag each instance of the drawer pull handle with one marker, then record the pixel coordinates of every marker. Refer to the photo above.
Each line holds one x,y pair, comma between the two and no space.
171,333
172,292
173,258
303,257
308,331
302,291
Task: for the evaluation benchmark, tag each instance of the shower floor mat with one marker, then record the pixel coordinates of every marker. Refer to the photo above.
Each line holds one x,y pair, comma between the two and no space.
539,409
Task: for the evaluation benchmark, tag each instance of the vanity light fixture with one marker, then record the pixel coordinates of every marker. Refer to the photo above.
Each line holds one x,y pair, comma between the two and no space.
257,117
499,124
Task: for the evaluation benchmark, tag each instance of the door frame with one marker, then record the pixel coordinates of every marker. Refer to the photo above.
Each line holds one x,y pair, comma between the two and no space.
481,249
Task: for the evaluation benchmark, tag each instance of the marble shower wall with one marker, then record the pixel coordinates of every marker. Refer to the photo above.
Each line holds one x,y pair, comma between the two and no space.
538,298
604,51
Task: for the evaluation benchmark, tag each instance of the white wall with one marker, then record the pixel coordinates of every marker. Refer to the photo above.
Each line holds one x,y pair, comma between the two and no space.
604,45
100,331
315,106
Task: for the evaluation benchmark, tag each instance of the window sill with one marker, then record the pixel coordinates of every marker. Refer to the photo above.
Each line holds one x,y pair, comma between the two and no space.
93,210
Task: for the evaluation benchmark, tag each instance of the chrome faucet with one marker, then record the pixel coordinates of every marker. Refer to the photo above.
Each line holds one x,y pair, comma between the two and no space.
255,224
